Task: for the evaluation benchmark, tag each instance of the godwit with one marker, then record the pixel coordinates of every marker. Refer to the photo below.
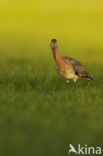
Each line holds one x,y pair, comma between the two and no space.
68,67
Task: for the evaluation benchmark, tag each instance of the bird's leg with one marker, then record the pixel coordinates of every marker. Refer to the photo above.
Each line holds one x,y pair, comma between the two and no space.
67,81
75,83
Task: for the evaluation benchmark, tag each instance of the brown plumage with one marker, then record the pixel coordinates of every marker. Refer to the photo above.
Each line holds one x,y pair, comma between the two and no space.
67,67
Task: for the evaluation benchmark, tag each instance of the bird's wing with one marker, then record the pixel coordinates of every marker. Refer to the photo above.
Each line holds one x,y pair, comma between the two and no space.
78,68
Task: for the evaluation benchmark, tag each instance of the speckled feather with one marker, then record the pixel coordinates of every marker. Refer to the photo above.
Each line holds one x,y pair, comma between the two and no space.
77,67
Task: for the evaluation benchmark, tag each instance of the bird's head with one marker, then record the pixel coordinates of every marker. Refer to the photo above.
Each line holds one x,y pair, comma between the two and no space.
53,44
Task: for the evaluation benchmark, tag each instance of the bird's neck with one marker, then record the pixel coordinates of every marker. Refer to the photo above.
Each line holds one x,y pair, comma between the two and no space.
56,54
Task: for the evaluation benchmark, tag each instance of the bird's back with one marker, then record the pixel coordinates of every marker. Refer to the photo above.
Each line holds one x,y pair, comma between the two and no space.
77,67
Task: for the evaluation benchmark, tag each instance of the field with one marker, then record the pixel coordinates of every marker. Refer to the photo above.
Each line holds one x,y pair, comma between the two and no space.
40,115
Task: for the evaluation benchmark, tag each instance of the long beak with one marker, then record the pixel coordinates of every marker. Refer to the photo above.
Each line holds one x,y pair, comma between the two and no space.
54,53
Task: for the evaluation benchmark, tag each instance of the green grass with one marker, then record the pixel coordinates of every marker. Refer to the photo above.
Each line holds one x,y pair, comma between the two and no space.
41,115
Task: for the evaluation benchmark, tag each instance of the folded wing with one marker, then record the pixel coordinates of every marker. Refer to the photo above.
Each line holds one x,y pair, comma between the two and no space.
79,68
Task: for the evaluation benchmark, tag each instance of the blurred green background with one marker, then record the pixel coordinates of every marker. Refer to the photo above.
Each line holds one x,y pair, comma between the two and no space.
26,28
39,114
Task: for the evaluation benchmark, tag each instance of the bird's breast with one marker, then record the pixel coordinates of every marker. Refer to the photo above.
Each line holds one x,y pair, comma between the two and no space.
65,70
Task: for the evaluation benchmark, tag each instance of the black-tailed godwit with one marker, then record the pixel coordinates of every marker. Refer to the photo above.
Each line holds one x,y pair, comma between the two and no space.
68,67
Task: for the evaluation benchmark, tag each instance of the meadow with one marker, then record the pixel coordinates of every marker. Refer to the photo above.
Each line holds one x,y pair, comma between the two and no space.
39,113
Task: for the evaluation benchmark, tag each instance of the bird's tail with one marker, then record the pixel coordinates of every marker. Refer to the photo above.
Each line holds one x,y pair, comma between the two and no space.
89,78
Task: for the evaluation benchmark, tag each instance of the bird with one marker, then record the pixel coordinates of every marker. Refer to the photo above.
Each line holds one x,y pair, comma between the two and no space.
67,67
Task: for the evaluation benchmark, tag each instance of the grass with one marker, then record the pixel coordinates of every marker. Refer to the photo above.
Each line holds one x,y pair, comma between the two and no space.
41,115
